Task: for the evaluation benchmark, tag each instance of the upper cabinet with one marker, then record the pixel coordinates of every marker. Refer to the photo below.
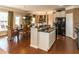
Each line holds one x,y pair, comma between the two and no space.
44,16
60,14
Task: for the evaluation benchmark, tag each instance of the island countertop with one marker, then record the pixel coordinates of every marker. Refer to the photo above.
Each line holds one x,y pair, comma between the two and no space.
46,30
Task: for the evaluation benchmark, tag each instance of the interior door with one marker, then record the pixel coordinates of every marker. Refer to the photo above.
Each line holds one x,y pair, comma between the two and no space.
69,25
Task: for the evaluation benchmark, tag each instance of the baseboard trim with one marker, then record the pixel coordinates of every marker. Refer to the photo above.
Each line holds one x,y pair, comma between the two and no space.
34,46
46,50
71,37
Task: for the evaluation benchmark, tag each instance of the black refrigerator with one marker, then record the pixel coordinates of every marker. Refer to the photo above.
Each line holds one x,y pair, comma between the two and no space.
60,24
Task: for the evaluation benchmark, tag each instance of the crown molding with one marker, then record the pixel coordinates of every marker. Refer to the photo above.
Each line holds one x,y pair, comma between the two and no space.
71,7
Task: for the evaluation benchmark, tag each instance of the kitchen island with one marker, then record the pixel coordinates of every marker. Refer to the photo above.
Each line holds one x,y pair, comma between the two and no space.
42,39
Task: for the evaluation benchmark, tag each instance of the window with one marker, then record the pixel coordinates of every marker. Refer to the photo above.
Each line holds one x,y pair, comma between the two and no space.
17,20
3,21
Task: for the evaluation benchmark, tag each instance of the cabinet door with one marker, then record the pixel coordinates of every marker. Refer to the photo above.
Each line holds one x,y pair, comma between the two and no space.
51,38
34,37
43,41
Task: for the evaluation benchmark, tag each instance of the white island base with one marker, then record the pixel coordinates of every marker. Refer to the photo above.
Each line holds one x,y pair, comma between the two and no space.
34,37
46,40
42,40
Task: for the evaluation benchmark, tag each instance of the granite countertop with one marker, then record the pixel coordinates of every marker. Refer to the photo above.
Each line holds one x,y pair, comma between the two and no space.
47,30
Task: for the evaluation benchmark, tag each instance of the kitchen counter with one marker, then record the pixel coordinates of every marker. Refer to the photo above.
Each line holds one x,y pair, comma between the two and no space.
47,30
42,38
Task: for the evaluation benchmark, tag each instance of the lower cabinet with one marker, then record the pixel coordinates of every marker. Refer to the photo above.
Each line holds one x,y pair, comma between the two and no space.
46,40
34,38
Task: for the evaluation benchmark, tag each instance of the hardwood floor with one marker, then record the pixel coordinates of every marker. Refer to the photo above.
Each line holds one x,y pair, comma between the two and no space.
62,45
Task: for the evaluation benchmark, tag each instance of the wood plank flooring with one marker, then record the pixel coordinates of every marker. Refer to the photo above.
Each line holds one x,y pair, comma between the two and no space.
62,45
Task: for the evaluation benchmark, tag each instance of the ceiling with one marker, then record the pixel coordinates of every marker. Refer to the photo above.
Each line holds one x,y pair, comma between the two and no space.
37,7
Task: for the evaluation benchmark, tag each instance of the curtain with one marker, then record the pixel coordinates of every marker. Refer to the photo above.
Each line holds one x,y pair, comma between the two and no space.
10,23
